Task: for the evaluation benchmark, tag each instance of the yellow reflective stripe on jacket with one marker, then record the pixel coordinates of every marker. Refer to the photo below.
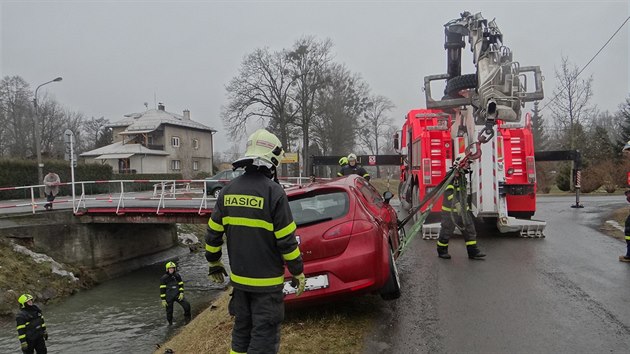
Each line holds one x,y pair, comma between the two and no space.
470,243
163,295
162,286
181,289
339,174
292,255
215,226
446,208
240,221
450,197
365,175
442,244
232,351
257,281
212,249
22,336
627,238
286,230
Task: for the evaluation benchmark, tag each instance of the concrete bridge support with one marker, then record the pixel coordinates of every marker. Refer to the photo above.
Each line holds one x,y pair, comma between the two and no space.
107,245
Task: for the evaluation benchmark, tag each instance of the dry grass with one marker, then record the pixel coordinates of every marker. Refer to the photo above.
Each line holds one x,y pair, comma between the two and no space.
619,216
332,328
20,274
381,185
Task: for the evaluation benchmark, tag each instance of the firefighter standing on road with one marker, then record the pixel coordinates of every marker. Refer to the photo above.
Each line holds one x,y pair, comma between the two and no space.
626,258
171,291
31,327
253,211
455,214
352,168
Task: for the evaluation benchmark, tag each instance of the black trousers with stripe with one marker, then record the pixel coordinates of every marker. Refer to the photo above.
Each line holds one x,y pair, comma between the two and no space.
447,227
257,321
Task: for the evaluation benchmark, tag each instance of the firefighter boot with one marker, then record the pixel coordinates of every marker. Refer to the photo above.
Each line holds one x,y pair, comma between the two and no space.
474,252
442,250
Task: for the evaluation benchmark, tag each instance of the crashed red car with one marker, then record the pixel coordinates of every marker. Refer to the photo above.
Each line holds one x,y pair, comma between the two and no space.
349,239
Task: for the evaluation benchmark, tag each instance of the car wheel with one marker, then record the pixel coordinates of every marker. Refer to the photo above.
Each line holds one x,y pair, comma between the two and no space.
391,290
215,193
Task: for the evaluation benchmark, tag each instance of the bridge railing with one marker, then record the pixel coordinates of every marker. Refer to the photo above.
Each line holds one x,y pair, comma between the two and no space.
128,190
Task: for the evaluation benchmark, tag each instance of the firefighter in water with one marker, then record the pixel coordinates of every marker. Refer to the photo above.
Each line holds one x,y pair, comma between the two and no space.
455,213
253,211
352,168
171,291
31,327
343,161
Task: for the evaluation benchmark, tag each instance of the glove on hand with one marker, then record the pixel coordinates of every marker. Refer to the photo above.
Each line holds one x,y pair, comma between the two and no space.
180,297
45,335
24,347
216,272
164,304
299,282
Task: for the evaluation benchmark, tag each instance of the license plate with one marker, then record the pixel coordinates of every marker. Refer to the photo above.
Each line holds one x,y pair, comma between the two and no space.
312,283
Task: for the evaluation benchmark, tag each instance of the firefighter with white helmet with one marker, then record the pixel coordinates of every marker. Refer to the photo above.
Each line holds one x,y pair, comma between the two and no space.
171,291
253,211
353,168
31,326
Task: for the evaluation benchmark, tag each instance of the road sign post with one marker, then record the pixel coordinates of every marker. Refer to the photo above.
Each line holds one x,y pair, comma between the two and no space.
68,137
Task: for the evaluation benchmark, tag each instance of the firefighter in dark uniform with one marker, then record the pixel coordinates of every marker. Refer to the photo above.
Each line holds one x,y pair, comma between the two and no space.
455,213
626,257
31,326
171,291
343,161
253,211
352,168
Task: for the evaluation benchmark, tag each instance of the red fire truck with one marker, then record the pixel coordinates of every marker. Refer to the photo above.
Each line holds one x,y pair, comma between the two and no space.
502,184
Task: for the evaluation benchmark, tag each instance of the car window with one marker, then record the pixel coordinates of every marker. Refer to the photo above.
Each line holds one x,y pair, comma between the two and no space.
319,206
370,194
220,175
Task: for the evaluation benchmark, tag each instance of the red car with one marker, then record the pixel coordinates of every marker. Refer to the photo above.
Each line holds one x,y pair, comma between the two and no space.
349,239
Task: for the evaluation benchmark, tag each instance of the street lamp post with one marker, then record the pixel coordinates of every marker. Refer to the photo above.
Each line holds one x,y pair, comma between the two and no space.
38,143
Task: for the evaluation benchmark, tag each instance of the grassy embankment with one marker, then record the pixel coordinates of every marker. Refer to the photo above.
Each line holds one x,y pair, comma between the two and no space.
618,215
332,328
19,274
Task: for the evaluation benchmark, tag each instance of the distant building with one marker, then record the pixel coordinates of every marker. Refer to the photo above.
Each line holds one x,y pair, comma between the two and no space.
157,141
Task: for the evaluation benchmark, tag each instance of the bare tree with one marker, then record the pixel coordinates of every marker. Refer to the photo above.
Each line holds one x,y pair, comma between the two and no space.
97,132
16,118
309,60
261,90
339,106
572,104
374,124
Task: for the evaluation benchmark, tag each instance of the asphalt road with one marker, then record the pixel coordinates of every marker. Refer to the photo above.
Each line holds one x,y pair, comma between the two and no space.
566,293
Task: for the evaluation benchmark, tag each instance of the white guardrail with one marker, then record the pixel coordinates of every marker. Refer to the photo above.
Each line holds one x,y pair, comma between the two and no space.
126,190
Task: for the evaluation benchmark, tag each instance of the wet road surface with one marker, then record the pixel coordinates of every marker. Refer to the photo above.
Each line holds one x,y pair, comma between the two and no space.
564,293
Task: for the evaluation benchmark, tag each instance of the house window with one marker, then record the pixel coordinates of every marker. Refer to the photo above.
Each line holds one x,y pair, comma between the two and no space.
175,141
176,165
196,144
195,165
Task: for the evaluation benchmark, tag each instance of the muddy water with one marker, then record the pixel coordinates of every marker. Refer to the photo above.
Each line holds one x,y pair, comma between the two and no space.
122,315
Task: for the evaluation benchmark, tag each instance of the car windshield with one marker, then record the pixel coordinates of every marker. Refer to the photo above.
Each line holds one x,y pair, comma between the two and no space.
318,206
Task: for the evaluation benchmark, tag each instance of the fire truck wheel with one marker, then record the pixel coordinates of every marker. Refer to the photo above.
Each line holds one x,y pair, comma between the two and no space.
458,83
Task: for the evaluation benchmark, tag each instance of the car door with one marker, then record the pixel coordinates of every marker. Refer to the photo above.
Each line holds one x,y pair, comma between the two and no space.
384,214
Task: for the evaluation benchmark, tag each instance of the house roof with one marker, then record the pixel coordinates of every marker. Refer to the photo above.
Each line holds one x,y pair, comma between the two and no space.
153,118
120,148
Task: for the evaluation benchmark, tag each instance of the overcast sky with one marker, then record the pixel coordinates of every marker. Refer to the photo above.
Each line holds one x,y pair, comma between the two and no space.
116,55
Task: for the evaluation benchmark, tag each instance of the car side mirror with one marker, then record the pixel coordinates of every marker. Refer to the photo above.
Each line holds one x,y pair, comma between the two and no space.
387,195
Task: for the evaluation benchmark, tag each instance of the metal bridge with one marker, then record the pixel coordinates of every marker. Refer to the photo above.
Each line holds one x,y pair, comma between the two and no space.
124,197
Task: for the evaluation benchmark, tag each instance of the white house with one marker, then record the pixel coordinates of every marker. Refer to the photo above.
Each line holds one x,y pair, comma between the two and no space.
157,141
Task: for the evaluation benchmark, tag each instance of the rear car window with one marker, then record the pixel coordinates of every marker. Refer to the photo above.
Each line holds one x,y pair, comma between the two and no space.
312,208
